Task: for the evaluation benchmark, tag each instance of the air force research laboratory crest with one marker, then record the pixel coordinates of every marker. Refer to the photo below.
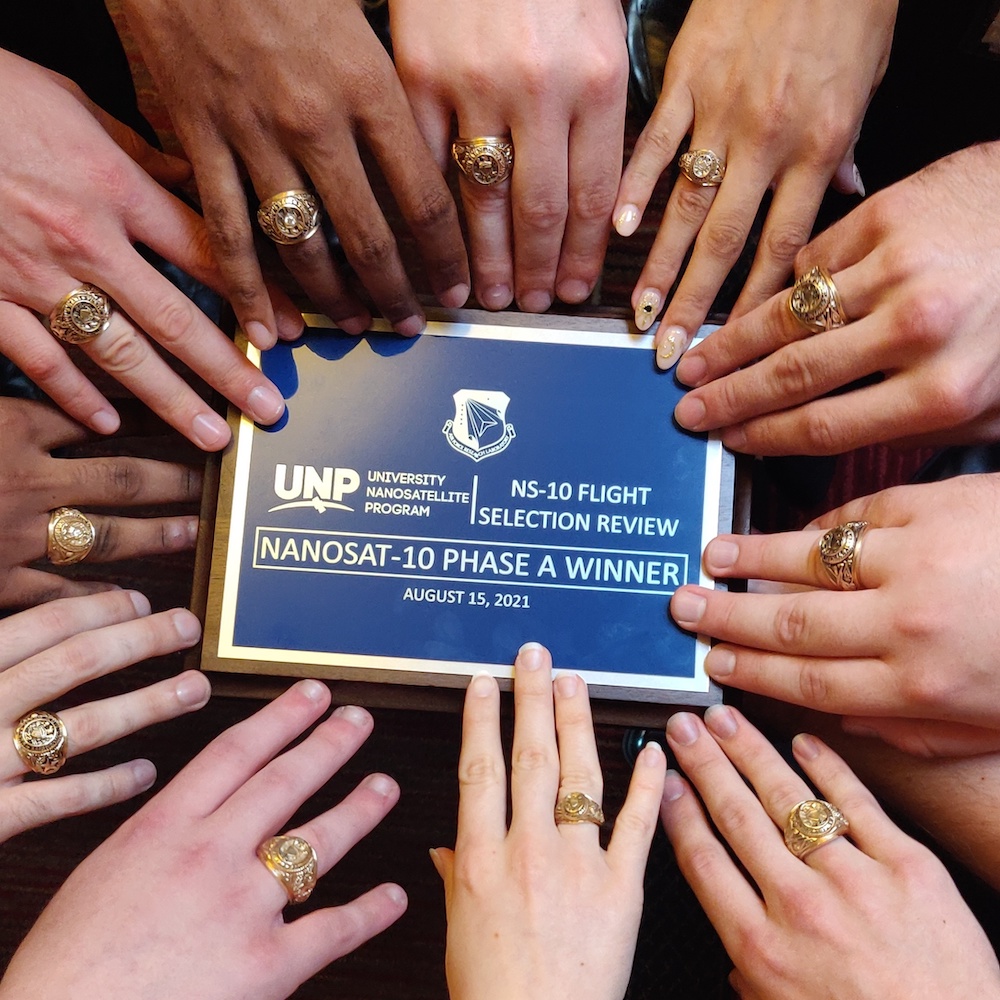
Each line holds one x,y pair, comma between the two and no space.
480,427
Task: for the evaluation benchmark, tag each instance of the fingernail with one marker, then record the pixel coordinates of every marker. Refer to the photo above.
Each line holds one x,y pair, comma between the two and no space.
258,334
381,784
354,326
648,308
720,662
690,412
855,728
396,894
176,536
411,326
536,301
650,754
671,347
209,431
567,685
354,715
186,626
140,602
496,297
312,690
105,421
529,656
721,721
682,729
673,786
482,685
290,325
192,690
691,369
806,746
455,297
721,554
192,529
265,404
735,437
687,608
573,290
858,183
627,220
144,774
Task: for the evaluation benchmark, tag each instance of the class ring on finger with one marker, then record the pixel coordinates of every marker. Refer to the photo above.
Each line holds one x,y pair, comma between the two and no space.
486,159
40,741
289,217
71,536
292,861
80,316
702,167
578,807
840,554
811,824
815,302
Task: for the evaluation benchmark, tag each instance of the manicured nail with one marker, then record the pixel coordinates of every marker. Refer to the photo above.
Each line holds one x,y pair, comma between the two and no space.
858,183
806,746
648,308
720,663
567,685
682,729
535,301
529,656
482,685
496,297
105,421
187,627
313,690
265,404
259,335
354,715
721,721
381,784
193,690
673,786
143,774
627,220
687,608
573,290
411,326
651,754
721,554
455,297
672,343
140,602
209,431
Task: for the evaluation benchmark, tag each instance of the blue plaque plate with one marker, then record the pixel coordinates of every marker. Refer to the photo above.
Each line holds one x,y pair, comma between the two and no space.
426,506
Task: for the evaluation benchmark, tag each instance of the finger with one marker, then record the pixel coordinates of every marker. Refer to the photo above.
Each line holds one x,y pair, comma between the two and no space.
728,900
170,171
742,988
482,773
334,833
121,480
744,821
534,778
579,765
132,537
38,629
432,116
268,799
319,938
925,737
25,587
80,658
636,822
231,759
34,803
38,354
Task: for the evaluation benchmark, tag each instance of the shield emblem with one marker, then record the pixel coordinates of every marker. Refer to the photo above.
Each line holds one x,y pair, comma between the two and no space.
479,428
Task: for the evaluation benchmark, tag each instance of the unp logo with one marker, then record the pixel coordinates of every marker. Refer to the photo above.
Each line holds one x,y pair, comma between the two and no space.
479,428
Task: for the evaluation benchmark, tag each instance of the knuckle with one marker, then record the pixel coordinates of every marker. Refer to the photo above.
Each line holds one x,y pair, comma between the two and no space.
592,201
304,116
228,234
821,434
478,770
791,626
636,824
813,688
121,353
793,373
531,757
434,209
691,204
174,321
783,242
371,251
723,239
541,213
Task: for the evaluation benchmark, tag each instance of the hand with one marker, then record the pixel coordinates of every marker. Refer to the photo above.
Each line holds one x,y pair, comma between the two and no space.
830,924
289,94
917,268
35,482
73,203
50,650
552,77
176,903
911,656
540,910
778,90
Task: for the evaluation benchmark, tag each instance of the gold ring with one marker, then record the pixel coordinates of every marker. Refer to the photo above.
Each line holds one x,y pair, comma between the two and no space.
815,302
486,159
71,536
289,217
80,316
702,167
840,554
40,741
578,807
811,824
292,861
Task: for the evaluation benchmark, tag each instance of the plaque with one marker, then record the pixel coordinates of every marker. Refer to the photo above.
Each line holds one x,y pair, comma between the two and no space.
426,506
